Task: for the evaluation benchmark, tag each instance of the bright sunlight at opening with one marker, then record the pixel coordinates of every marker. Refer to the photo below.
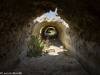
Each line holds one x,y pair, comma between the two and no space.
52,14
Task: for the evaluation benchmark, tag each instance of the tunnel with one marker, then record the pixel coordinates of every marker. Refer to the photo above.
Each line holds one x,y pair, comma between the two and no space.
39,29
49,32
81,39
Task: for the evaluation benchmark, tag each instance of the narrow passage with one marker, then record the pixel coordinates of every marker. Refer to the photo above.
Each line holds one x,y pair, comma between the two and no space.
56,62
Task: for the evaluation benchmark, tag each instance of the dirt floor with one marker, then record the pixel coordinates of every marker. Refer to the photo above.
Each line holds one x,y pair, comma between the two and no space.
57,61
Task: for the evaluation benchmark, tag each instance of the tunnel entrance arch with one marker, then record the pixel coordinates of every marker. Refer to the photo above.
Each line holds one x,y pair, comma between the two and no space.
61,29
49,31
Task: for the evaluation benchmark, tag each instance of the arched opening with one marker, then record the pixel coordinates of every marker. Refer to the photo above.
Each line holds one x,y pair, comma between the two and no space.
49,32
40,29
83,40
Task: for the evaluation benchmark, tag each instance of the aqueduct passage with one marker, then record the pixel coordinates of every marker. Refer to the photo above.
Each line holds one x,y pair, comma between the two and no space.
47,31
61,29
82,38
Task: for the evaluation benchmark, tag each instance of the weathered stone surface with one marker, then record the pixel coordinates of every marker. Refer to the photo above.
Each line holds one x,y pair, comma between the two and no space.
83,18
86,53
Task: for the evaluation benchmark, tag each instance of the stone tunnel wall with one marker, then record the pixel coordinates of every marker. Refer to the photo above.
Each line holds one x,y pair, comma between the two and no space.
12,43
83,40
86,52
14,29
60,28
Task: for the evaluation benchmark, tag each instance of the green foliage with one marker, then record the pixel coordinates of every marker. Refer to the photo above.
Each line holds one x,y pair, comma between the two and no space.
46,44
53,32
35,45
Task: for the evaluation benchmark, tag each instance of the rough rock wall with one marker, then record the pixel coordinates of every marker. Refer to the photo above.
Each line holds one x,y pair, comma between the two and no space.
12,41
83,40
14,18
82,16
86,52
